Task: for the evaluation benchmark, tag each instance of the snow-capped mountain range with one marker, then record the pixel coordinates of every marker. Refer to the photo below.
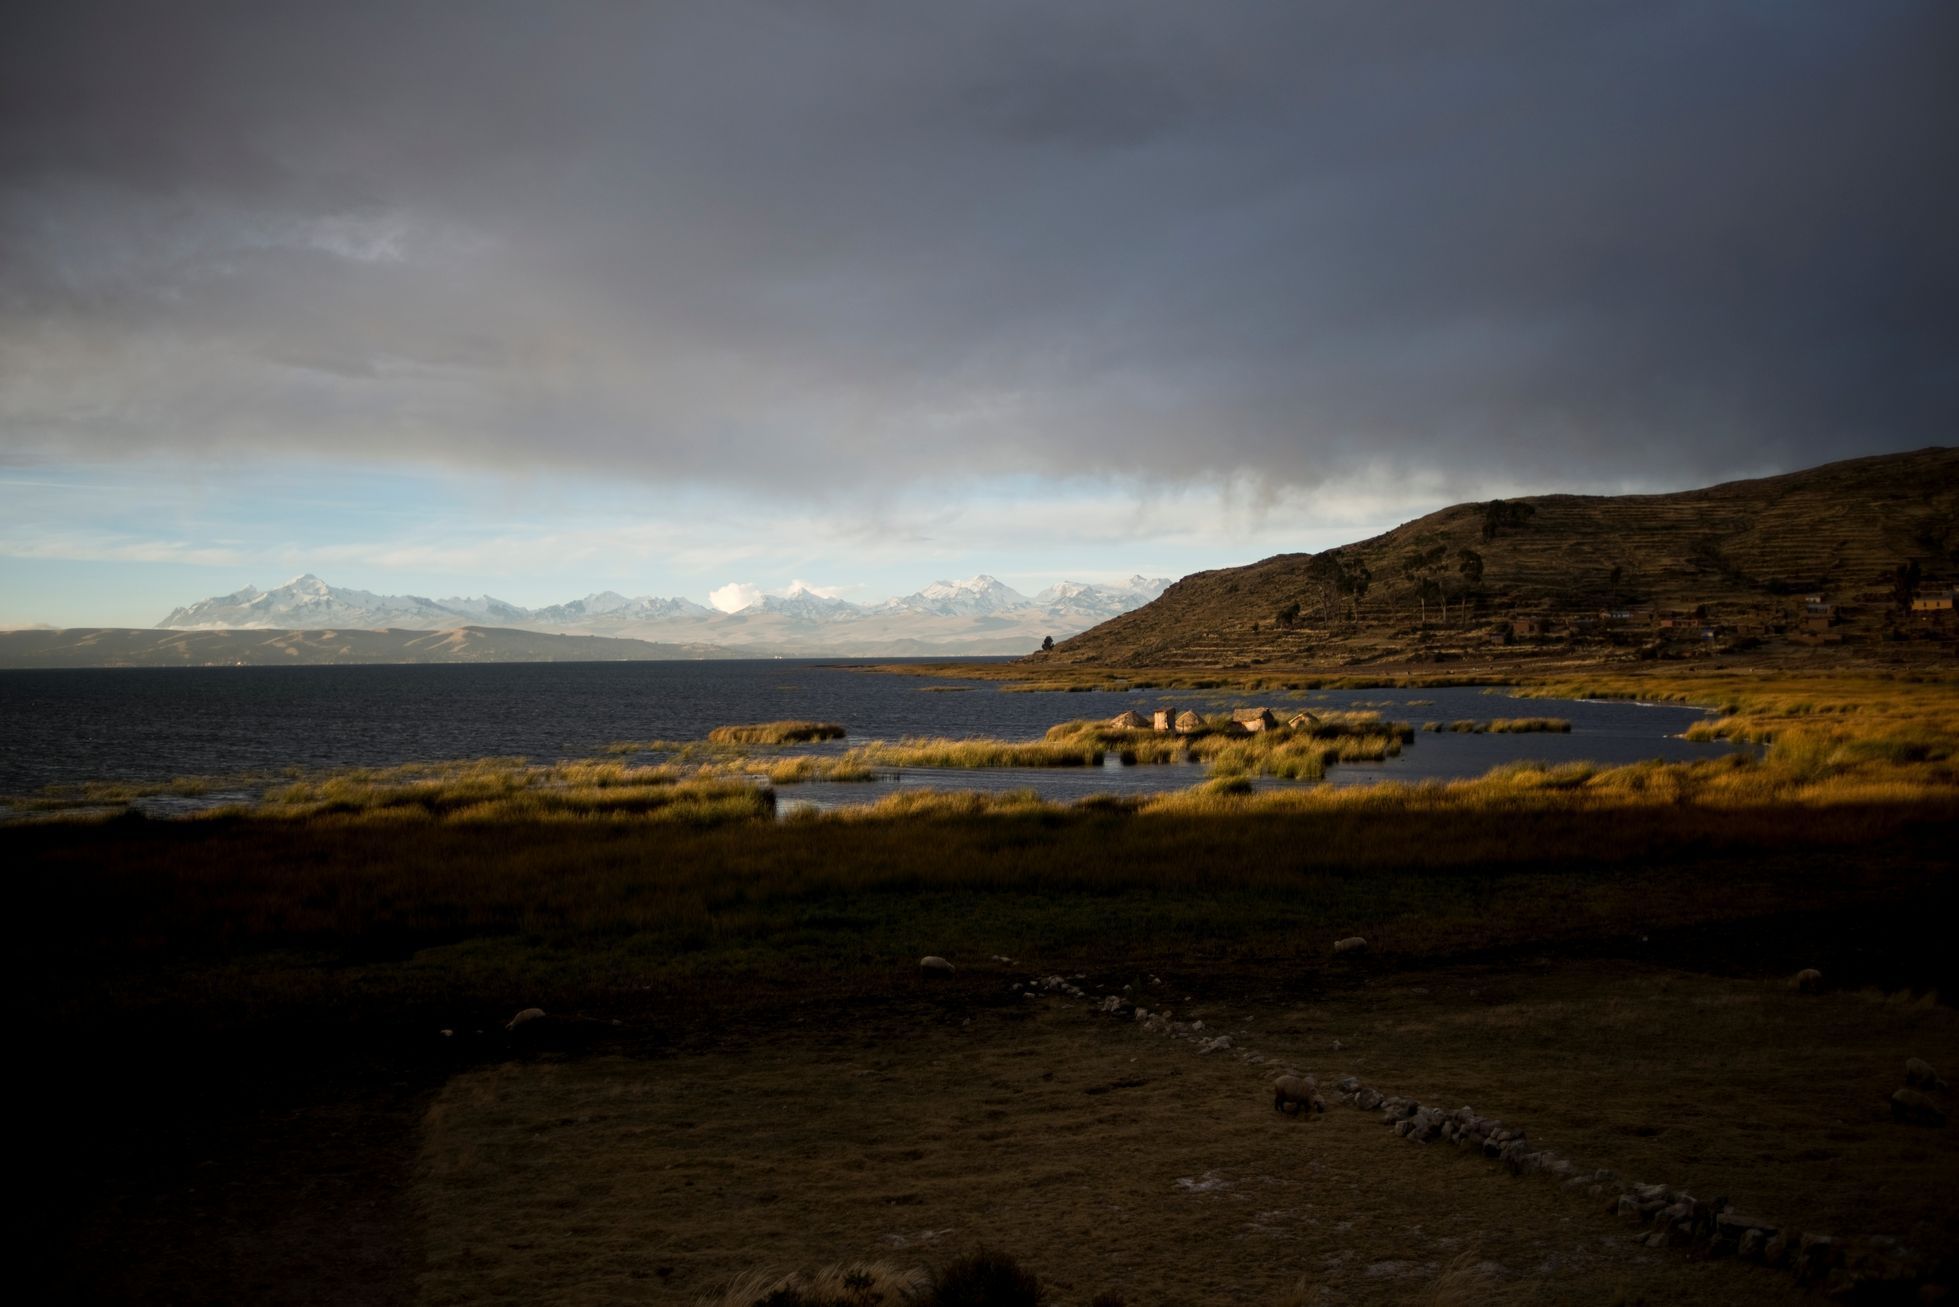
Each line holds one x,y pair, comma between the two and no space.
979,615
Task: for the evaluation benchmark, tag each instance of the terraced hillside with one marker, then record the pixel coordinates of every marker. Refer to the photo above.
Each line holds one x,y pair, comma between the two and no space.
1834,554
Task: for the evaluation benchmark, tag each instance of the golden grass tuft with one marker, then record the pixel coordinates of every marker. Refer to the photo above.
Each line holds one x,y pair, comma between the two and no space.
789,732
856,1284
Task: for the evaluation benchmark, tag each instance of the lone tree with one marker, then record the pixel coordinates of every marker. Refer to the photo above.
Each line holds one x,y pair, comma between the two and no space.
1047,643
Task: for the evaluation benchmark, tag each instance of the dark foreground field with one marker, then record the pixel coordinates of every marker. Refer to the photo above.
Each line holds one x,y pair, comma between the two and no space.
234,1084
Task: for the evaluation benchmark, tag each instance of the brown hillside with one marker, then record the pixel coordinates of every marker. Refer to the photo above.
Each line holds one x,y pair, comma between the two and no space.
1730,566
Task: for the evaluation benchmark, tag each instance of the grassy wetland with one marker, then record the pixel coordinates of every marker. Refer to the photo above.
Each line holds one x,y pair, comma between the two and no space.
742,1071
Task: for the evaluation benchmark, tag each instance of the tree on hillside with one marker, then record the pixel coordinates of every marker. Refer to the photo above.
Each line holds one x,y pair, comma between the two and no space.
1418,566
1354,583
1047,643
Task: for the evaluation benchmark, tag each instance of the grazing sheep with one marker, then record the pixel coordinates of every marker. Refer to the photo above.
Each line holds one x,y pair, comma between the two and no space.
1351,944
935,964
1919,1074
1297,1096
1807,981
527,1015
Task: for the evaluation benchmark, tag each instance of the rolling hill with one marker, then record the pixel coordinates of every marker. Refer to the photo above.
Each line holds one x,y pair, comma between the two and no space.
1833,554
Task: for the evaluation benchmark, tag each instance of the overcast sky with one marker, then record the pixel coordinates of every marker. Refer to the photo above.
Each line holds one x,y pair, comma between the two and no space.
543,298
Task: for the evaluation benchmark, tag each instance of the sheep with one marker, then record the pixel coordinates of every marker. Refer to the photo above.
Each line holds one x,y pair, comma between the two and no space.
527,1015
1351,944
934,963
1297,1096
1919,1074
1807,981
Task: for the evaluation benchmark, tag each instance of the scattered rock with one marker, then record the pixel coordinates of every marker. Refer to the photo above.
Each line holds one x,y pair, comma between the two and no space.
1807,981
1351,944
935,965
1218,1045
1367,1099
1912,1107
528,1015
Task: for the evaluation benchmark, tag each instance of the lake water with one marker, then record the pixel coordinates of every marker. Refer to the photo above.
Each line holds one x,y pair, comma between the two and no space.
154,724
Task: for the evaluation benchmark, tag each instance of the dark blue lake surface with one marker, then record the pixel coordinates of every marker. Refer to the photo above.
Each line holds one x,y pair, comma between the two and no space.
153,724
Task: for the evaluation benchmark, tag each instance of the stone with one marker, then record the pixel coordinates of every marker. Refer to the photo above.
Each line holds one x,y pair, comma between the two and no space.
1218,1045
1367,1099
1737,1224
1914,1107
1815,1255
1919,1074
1776,1251
1347,1085
1807,981
525,1017
1751,1243
935,965
1351,944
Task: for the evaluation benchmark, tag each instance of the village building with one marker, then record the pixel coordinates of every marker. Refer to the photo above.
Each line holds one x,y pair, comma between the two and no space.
1189,723
1253,720
1128,721
1166,719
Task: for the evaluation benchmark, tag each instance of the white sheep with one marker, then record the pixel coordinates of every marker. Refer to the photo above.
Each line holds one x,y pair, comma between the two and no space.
1351,944
1297,1095
1919,1074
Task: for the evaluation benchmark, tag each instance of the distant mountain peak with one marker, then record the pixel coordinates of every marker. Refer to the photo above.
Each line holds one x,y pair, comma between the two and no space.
979,614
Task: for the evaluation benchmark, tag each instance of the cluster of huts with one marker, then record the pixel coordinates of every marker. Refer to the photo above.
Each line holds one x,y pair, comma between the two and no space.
1245,721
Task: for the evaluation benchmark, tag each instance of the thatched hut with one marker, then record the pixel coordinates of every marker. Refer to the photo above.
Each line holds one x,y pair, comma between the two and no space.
1131,720
1189,722
1253,720
1302,721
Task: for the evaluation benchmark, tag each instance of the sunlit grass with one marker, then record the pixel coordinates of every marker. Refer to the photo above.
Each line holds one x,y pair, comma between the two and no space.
789,732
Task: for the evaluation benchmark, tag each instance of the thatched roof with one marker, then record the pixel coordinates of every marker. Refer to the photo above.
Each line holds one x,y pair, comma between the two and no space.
1130,720
1189,721
1254,719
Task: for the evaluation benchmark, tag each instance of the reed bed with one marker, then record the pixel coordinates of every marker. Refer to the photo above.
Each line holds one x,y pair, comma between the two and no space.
977,754
505,789
789,732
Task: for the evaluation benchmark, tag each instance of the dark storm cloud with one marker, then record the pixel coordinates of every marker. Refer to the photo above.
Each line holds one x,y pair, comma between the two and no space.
813,244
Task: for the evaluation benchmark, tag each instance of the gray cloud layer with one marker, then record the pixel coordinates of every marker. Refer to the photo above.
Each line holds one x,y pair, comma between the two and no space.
804,244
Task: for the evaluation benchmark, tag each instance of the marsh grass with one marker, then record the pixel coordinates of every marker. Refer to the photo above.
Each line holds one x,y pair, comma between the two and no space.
1283,752
787,732
982,753
509,790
